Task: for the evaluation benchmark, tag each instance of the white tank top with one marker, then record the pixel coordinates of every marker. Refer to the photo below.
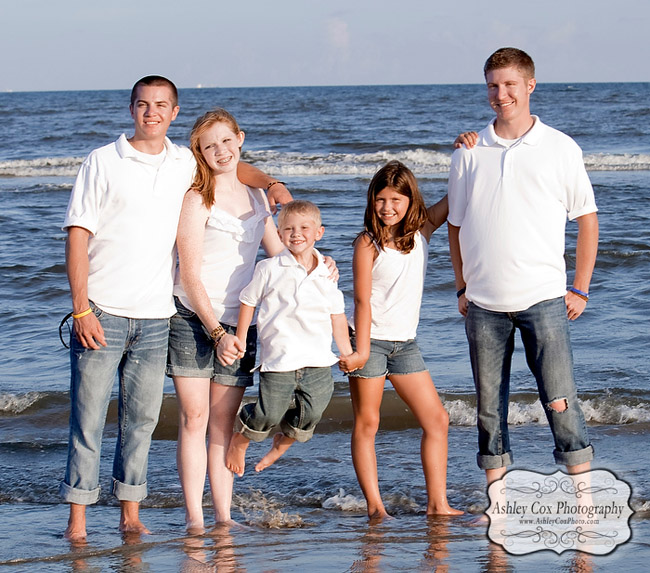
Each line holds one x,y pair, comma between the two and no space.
397,284
230,247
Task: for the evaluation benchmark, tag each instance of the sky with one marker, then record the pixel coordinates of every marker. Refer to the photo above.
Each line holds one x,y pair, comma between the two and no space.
109,44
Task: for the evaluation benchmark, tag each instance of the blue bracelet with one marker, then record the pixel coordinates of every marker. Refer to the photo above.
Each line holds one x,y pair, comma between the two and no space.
579,292
460,292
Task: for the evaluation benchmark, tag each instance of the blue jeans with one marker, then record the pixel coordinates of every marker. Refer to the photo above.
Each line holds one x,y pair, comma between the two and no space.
136,351
545,334
295,400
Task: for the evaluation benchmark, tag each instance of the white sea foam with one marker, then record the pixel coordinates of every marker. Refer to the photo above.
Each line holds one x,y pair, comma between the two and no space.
42,167
617,162
15,404
345,502
604,410
294,164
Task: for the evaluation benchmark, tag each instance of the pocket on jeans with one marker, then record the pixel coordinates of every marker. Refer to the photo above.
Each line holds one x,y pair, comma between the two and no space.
98,312
182,310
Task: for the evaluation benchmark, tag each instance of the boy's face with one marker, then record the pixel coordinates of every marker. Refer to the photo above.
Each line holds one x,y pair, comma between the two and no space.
509,93
299,232
153,111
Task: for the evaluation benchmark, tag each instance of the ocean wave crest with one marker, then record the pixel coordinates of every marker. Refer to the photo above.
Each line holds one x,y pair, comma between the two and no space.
16,404
296,164
42,167
617,162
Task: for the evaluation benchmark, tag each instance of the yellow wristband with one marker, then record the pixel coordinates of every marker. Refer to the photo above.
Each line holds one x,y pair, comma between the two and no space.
82,314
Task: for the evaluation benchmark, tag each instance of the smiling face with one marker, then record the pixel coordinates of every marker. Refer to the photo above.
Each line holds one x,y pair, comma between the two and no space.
391,206
299,231
153,110
509,96
220,146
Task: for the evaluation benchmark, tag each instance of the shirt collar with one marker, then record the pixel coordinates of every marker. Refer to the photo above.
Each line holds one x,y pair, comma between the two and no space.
531,137
127,151
288,260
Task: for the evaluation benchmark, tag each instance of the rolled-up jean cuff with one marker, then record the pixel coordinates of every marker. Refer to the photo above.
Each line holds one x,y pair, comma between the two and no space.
489,462
253,435
79,496
575,457
296,433
125,492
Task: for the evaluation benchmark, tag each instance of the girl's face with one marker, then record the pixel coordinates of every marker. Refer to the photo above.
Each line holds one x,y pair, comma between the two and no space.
391,206
219,145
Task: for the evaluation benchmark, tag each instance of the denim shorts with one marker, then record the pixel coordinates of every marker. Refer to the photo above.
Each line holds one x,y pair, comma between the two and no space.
389,357
191,351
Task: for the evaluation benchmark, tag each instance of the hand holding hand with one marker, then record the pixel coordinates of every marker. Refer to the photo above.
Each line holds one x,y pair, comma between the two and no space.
352,362
229,349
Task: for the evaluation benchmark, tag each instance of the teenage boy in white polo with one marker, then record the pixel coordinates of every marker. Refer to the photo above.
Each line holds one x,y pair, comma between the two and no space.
509,198
121,223
300,309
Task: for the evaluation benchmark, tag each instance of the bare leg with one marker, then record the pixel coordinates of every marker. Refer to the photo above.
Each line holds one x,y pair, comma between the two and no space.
236,457
366,397
224,403
76,530
191,454
281,444
419,393
130,518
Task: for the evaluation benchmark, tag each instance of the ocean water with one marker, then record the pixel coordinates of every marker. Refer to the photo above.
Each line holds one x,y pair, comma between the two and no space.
307,511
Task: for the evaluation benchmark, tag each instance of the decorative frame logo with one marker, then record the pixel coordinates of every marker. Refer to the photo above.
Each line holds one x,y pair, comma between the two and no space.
586,512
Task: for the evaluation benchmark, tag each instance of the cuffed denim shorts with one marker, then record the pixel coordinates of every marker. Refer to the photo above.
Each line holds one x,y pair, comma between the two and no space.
191,351
293,400
389,357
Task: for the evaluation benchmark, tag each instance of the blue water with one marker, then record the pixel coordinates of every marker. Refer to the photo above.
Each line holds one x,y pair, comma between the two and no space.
326,142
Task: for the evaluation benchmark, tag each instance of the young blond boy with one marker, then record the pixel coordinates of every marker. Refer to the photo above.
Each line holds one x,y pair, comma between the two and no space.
300,308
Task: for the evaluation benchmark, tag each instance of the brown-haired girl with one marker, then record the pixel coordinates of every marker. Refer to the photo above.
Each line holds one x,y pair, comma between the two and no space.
389,264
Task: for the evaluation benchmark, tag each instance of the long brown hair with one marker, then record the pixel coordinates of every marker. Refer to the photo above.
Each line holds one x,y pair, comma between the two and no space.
203,182
399,177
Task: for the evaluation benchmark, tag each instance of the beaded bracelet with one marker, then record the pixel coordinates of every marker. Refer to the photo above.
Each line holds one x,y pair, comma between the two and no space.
82,314
217,334
583,295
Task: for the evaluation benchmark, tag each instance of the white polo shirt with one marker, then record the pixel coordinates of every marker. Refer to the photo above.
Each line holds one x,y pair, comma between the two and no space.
130,202
294,322
511,201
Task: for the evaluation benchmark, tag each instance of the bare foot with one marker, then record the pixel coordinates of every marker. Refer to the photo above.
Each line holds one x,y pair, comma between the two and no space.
281,444
76,530
236,456
195,528
443,509
130,518
379,516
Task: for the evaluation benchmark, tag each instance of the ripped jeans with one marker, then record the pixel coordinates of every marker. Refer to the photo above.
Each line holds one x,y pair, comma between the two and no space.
545,334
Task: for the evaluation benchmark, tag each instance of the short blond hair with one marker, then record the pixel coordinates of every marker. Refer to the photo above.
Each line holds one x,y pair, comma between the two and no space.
301,207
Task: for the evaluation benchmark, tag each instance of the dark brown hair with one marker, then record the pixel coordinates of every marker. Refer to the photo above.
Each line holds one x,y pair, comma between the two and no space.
155,81
400,178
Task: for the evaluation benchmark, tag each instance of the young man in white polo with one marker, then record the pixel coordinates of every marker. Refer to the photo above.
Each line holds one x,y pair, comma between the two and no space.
509,198
121,223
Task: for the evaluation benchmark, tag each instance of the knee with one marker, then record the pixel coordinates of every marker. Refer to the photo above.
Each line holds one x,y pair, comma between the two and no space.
193,421
560,405
438,423
366,424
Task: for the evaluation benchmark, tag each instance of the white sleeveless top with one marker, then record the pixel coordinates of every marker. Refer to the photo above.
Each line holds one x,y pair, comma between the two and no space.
397,283
230,247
